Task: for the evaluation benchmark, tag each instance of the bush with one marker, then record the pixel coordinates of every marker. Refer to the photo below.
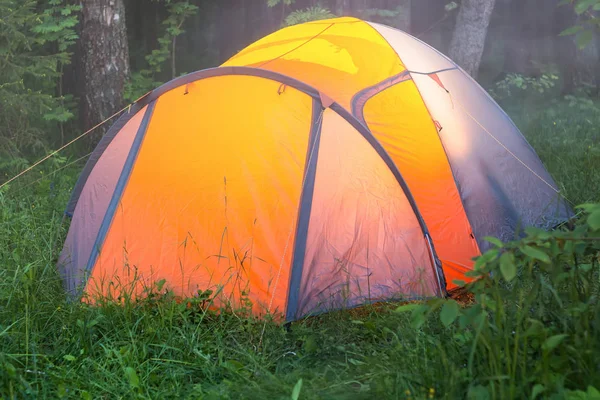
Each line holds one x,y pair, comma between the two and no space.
534,326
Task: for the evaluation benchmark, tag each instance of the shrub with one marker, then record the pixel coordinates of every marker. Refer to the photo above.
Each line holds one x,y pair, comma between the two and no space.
534,327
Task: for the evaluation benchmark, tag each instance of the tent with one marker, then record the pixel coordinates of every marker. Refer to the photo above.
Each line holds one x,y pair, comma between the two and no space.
327,165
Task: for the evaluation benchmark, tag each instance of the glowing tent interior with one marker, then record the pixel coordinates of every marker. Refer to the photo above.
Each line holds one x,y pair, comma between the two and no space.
327,165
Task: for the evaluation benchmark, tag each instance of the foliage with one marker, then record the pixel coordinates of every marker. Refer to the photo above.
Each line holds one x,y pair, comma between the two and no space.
161,348
145,80
398,17
309,14
516,82
588,12
273,3
532,331
538,333
34,40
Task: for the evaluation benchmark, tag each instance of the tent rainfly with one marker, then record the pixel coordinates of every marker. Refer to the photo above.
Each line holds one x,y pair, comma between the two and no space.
327,165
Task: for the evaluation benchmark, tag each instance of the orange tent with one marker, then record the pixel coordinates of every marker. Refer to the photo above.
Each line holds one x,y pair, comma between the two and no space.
327,165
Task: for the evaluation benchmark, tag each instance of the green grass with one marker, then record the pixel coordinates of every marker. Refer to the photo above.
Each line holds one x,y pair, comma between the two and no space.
50,348
566,136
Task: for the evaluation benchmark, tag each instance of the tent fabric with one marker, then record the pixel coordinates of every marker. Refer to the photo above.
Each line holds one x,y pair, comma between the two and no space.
474,200
328,165
494,164
364,243
95,198
399,119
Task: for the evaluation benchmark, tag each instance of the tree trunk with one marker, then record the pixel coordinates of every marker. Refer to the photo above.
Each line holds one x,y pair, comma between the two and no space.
587,68
597,68
105,61
342,7
358,7
517,43
565,50
470,32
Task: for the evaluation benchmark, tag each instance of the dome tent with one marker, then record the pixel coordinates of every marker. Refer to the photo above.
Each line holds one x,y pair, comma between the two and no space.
329,164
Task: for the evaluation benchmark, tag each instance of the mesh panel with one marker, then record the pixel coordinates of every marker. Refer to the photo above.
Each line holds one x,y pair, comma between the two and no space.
364,242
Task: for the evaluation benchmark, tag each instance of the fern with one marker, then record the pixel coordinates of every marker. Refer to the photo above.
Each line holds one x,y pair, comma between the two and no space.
273,3
310,14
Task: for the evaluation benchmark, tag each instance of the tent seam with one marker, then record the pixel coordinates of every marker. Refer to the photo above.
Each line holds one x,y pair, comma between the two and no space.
119,189
441,270
304,211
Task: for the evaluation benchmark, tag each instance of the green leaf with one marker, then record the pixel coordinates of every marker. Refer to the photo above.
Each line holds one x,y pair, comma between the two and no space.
296,391
132,377
583,5
535,328
407,307
234,365
417,318
485,258
69,357
536,254
553,341
594,220
588,207
508,267
593,393
470,315
537,390
537,233
585,267
585,38
310,344
478,392
571,31
495,241
449,313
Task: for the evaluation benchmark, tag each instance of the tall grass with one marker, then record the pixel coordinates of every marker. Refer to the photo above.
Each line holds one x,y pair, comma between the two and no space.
531,330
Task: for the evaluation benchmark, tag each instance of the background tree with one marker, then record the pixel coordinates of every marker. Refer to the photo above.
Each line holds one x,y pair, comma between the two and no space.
104,60
525,44
470,33
35,44
342,7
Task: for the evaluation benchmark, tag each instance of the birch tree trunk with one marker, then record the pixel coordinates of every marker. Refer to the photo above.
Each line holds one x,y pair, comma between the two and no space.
342,7
470,32
105,61
358,6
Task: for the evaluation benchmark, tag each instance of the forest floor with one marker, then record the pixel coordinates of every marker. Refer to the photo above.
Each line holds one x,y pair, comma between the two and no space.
50,348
